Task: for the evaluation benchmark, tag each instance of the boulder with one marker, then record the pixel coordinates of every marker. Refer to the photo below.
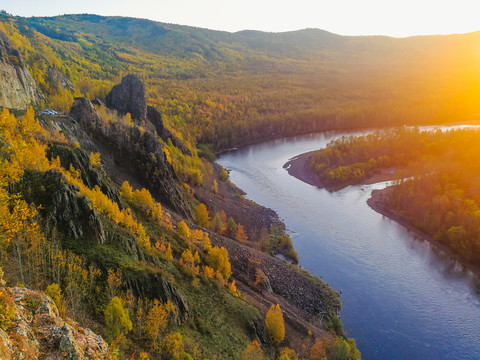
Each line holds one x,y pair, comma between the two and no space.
129,97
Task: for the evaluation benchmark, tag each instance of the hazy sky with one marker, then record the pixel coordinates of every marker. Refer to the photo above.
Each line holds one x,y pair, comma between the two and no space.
346,17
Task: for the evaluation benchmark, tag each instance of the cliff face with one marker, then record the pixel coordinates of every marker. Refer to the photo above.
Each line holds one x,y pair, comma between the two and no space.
18,89
35,330
139,149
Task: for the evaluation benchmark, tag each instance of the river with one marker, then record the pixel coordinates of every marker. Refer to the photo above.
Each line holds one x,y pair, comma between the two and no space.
402,298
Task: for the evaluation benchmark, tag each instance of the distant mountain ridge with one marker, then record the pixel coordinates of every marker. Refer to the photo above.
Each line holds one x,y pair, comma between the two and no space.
253,86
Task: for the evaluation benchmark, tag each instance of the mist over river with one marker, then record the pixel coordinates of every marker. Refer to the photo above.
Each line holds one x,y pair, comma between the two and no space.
402,298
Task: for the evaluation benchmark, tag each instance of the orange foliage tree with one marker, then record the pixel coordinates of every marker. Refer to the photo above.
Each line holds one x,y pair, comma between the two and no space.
252,352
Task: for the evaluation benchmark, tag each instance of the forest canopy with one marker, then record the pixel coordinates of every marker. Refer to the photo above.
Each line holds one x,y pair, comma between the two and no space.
227,90
437,175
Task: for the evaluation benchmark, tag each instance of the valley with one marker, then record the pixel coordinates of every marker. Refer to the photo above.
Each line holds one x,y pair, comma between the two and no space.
143,194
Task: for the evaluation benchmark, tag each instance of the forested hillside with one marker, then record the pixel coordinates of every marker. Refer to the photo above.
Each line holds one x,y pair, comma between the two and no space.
437,172
227,89
113,208
103,207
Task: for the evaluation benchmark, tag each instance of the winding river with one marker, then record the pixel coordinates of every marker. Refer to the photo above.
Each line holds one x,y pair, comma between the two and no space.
402,298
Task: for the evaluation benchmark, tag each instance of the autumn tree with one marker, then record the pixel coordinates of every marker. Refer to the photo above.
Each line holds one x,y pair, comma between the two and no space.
183,229
252,351
201,216
218,224
343,350
260,278
218,259
318,351
143,356
231,227
206,243
232,288
289,353
171,346
275,325
240,234
189,261
117,319
62,100
165,250
113,282
55,293
208,272
156,323
126,191
95,160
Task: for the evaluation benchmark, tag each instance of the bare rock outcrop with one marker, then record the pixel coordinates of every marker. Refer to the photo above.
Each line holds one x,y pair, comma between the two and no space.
36,331
18,89
129,97
140,150
62,206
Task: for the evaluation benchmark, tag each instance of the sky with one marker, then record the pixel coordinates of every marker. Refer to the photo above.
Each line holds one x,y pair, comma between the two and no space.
398,18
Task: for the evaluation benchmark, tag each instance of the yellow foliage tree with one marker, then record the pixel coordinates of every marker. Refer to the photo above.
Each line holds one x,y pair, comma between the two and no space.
208,272
218,259
201,215
172,346
126,191
55,293
232,288
95,160
189,261
62,100
117,319
274,324
206,244
165,250
289,353
156,323
183,230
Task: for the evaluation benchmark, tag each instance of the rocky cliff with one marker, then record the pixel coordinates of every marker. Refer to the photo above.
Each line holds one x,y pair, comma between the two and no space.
31,328
129,97
135,149
18,89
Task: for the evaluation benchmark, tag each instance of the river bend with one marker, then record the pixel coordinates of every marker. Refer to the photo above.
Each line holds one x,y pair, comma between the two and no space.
402,298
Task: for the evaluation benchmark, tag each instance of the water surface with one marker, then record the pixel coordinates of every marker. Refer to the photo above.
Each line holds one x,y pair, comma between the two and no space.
402,299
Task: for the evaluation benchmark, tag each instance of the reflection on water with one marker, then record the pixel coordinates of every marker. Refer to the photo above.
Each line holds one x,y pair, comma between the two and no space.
402,298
